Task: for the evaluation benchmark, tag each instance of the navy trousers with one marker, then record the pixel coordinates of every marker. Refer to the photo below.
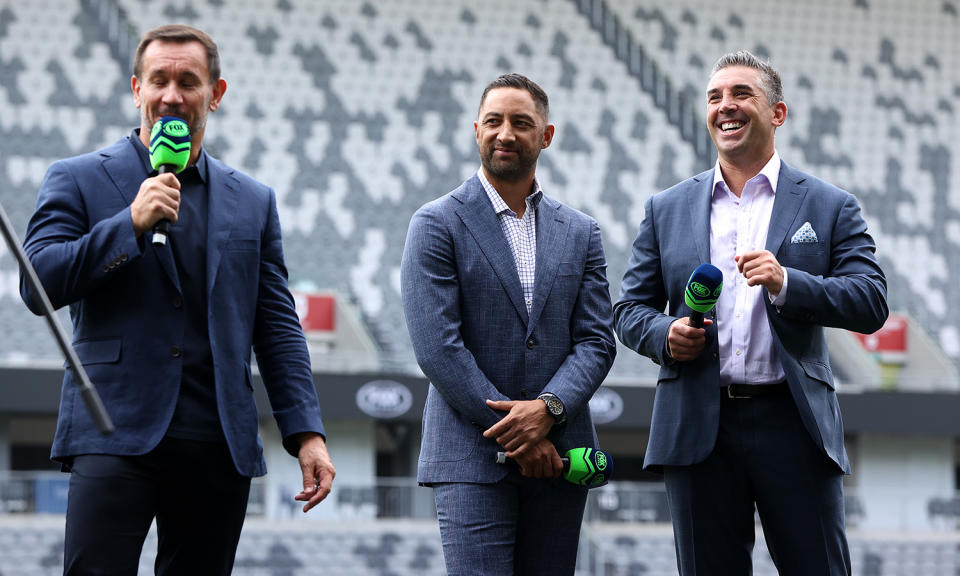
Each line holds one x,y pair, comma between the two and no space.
191,488
766,460
521,526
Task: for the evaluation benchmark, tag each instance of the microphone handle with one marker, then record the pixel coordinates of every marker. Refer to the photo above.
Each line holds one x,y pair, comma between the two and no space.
160,231
696,319
502,459
162,228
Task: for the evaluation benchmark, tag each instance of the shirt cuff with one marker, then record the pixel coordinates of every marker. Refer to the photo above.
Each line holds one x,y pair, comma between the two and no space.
781,298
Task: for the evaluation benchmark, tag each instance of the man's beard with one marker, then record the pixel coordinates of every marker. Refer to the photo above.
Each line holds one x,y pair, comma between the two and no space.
509,170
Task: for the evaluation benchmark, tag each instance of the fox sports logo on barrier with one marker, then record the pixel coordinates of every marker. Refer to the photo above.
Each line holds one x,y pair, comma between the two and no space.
384,399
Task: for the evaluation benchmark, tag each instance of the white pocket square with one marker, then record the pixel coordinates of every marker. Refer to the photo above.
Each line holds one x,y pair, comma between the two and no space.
805,235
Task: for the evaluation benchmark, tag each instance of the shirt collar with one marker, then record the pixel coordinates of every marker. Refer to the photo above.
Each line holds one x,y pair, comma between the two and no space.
201,163
499,206
771,171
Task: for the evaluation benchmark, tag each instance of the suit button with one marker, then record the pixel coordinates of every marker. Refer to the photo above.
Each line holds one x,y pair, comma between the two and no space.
523,393
106,268
175,351
177,302
123,257
715,357
531,343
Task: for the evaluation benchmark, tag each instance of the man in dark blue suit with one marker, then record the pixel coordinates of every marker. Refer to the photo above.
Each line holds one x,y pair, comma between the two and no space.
165,332
745,414
508,307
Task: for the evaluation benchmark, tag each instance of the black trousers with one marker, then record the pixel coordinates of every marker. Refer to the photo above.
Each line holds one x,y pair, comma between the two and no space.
764,457
191,488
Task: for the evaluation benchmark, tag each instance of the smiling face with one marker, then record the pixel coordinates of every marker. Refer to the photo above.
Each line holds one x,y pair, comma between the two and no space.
741,120
175,81
510,133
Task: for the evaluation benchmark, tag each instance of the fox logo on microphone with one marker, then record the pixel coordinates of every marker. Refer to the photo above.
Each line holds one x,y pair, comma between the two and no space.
588,467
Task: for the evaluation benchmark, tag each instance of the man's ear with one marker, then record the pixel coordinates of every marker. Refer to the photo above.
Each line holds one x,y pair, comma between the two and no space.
779,113
547,136
219,88
135,88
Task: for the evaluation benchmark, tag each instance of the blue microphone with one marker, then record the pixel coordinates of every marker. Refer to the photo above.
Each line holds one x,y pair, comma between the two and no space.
703,290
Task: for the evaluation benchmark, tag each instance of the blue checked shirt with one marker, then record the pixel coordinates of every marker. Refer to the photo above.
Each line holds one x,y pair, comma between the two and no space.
521,233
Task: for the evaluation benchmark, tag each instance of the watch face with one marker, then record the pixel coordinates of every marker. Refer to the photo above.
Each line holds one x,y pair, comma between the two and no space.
554,405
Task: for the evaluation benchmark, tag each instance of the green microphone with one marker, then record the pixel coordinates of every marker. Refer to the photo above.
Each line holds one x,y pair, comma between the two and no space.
169,152
587,467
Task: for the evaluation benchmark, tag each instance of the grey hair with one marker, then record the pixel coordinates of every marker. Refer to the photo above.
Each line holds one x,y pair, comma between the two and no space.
769,78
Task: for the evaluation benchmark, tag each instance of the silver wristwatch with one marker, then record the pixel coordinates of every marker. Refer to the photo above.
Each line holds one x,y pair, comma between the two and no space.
555,407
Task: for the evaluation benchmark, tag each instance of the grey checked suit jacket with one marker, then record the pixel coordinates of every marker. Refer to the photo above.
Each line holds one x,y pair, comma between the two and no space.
835,282
474,340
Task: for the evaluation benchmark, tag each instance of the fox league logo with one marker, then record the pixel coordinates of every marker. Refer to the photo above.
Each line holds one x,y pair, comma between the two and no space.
606,405
384,399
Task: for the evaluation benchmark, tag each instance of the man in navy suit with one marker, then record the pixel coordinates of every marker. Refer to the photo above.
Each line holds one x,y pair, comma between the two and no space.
745,414
508,307
165,332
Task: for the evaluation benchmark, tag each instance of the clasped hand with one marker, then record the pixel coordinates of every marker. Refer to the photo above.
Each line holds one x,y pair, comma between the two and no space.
523,434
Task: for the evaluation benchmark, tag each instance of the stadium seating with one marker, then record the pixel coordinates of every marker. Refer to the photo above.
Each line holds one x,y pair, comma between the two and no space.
358,114
34,546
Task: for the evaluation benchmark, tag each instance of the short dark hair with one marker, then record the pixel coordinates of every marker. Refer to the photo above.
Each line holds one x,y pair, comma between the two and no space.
769,78
180,33
520,81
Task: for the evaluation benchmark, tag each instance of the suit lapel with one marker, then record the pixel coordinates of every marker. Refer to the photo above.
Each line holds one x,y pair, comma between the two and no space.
551,246
478,216
126,169
699,201
222,194
790,194
123,165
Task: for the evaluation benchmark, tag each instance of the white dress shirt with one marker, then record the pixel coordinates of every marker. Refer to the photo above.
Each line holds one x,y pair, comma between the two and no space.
521,233
738,225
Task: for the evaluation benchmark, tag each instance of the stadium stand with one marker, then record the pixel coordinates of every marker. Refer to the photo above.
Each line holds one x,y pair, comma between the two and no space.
33,547
358,113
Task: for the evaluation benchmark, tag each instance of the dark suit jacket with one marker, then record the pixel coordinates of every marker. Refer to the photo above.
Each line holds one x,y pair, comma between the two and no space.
123,296
835,282
473,337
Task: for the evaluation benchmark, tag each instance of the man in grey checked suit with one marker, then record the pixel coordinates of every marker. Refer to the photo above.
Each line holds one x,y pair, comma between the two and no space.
745,416
508,307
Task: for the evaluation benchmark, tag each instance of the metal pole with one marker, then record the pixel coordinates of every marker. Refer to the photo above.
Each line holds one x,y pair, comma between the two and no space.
87,391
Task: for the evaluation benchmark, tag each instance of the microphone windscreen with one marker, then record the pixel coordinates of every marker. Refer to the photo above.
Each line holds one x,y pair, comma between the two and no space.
703,288
588,467
170,143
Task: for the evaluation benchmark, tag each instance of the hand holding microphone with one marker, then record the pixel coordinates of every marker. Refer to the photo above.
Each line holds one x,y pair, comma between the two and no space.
169,153
581,466
686,341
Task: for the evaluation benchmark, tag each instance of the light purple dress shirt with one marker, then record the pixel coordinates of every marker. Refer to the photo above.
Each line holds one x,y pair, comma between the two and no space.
738,225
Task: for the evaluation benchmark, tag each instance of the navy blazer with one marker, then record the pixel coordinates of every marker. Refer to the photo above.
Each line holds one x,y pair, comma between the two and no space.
834,282
124,299
474,340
